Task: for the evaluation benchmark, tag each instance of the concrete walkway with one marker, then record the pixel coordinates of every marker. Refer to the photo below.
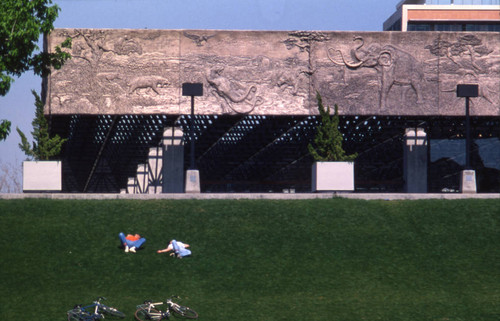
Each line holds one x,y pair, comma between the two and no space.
236,196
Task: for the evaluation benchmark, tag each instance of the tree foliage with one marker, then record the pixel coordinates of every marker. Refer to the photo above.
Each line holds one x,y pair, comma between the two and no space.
327,144
44,147
21,24
4,129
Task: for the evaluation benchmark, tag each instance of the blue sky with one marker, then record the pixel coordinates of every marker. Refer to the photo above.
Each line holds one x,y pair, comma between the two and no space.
227,14
355,15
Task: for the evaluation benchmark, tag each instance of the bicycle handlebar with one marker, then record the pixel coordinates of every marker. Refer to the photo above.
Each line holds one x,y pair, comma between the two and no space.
173,297
152,304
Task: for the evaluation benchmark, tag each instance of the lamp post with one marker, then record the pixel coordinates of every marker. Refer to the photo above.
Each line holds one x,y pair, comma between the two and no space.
192,175
468,182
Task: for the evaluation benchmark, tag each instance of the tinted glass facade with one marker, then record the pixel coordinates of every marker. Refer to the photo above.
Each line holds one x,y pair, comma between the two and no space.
427,26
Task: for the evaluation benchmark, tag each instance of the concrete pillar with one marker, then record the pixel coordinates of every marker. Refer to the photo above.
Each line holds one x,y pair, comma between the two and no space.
155,167
468,181
192,181
415,160
173,160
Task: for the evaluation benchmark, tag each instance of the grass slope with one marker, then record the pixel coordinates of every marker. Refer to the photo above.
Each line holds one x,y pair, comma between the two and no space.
333,259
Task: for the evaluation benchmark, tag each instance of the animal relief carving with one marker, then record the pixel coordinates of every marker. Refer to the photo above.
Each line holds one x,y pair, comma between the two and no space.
233,94
394,66
125,46
198,40
147,82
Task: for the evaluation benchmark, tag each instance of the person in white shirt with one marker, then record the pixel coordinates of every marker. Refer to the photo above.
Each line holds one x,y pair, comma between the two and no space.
179,249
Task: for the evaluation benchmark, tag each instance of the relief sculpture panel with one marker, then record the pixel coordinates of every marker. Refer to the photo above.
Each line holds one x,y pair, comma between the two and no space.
467,58
243,72
375,76
274,72
116,72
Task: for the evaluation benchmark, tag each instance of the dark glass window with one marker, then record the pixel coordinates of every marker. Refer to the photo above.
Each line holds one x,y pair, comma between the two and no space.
482,27
447,27
419,27
396,26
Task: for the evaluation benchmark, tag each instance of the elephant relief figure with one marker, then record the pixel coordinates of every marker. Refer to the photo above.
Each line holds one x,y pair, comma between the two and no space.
394,67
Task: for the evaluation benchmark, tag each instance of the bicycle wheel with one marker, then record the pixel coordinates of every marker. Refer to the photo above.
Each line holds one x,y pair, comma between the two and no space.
184,312
78,315
143,315
112,311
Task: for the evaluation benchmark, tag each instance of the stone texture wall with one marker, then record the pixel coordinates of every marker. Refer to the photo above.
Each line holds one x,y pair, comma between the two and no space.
274,73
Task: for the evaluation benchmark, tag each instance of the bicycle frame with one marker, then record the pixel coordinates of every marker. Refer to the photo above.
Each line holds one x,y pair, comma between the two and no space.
149,311
96,305
171,304
92,310
85,315
154,315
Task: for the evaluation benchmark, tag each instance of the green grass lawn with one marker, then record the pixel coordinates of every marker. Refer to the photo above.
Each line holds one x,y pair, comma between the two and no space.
335,259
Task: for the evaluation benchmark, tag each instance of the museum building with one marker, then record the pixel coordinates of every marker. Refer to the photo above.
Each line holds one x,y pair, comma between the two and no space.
119,102
445,15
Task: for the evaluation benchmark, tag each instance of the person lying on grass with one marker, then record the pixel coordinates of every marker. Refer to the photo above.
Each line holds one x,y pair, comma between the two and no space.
178,248
131,242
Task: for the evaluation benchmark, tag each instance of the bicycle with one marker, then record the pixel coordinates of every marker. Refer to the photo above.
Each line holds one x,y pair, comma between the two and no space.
149,311
92,312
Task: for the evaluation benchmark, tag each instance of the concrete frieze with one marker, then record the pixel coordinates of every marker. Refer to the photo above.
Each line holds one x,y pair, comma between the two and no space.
120,71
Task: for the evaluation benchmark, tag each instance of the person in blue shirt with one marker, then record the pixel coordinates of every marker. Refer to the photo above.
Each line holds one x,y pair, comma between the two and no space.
178,249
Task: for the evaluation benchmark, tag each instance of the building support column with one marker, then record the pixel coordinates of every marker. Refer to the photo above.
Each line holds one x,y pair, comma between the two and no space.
415,160
173,160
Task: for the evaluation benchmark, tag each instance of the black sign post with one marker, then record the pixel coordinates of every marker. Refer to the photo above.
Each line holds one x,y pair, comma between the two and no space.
192,89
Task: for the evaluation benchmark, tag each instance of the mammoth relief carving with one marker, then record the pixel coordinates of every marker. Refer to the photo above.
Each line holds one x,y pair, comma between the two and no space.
394,66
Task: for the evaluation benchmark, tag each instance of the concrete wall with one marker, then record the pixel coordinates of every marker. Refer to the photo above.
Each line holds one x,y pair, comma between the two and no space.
274,73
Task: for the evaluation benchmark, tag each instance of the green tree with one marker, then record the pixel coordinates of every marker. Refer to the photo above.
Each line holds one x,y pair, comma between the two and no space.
327,143
4,129
44,147
21,24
